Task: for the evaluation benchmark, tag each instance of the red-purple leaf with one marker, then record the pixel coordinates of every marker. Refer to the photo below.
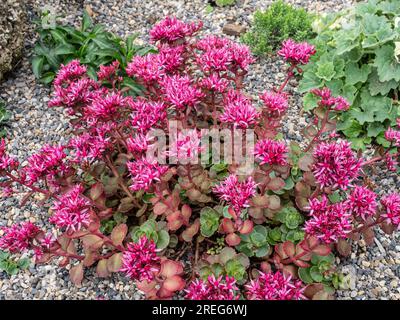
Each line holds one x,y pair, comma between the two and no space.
76,274
119,233
101,269
114,263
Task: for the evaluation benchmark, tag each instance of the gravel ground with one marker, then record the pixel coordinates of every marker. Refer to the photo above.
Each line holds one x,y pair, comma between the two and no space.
374,270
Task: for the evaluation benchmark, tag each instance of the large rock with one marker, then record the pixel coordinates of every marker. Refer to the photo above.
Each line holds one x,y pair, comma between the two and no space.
12,32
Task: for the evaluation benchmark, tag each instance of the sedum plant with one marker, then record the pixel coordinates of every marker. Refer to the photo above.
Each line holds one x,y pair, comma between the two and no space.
276,24
91,44
358,58
117,207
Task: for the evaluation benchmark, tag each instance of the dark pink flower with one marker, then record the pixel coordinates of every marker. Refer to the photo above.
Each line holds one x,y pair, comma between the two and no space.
214,83
47,241
140,261
362,202
391,162
18,237
138,143
171,58
391,208
48,161
171,29
186,147
71,211
275,101
106,108
147,68
221,54
239,111
275,286
145,173
271,152
110,72
180,91
335,164
69,73
213,289
328,222
236,193
296,53
6,162
341,104
88,147
393,136
73,88
146,115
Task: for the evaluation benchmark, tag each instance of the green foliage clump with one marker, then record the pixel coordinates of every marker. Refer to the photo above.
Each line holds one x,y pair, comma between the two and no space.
91,44
278,23
12,265
223,3
358,57
4,116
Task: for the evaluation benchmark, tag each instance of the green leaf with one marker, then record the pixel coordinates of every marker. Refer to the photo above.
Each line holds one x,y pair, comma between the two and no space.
310,101
387,66
209,221
304,275
234,268
326,71
354,74
354,130
376,86
316,259
316,274
263,251
163,239
86,21
23,263
37,66
309,81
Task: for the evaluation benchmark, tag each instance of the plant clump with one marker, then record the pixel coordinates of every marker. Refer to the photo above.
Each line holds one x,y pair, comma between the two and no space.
120,200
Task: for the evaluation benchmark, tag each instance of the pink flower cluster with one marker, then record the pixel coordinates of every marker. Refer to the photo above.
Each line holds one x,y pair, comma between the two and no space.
335,164
180,91
144,173
327,100
18,238
187,147
391,208
71,211
239,111
213,289
296,53
275,102
221,54
73,88
140,261
6,162
393,136
271,152
47,162
275,286
328,222
171,29
362,202
147,114
236,193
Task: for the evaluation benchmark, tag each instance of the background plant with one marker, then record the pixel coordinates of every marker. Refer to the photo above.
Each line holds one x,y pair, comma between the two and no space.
276,24
114,209
357,57
4,116
91,44
11,265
